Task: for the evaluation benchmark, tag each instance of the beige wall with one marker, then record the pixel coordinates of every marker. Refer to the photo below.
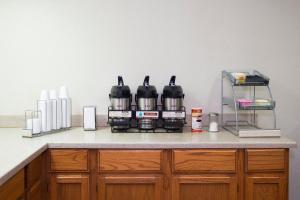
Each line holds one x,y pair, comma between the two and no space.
85,44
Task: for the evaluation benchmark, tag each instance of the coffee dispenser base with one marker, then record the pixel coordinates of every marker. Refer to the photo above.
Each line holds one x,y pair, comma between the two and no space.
136,130
134,121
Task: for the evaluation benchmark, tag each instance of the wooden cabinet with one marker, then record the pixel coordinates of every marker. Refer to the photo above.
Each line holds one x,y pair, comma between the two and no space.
69,187
266,187
147,187
194,187
130,160
261,160
69,174
204,174
266,174
36,178
69,160
14,188
130,175
189,174
178,174
29,183
36,192
205,160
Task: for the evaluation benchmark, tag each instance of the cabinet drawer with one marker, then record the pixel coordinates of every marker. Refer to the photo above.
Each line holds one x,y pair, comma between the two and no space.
69,160
265,160
130,160
204,160
14,187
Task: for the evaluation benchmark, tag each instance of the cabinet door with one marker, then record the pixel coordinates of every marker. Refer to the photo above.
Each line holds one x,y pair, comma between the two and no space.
185,187
130,187
69,187
36,179
269,187
35,192
13,189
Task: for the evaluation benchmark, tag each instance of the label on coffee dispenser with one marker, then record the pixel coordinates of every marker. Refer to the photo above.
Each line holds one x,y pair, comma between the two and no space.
173,114
147,114
121,114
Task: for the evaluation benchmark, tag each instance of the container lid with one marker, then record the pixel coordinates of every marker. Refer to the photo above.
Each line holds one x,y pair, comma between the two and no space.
146,90
212,114
172,90
120,90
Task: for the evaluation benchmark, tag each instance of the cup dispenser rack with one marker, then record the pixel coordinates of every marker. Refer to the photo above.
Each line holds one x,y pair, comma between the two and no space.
245,121
33,119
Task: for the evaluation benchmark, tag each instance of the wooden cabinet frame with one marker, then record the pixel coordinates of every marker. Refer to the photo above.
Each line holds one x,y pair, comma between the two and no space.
250,174
159,169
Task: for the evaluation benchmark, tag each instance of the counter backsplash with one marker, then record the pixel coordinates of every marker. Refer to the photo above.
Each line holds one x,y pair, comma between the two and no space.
17,121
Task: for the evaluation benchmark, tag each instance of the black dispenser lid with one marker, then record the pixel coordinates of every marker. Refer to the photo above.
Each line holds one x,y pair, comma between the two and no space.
172,90
120,90
146,90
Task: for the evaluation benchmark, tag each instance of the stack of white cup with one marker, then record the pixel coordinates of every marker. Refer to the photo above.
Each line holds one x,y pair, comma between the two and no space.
54,112
65,107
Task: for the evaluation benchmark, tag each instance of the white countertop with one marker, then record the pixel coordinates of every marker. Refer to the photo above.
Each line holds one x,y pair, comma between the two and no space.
16,152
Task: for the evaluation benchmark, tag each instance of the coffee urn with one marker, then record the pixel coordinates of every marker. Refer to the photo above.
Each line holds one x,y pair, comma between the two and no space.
146,100
120,99
172,100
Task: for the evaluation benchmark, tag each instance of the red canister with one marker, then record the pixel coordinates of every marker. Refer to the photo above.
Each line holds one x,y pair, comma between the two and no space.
197,120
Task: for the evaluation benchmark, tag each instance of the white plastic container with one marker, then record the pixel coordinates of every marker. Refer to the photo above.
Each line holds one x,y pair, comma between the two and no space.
66,107
44,106
56,110
213,122
34,125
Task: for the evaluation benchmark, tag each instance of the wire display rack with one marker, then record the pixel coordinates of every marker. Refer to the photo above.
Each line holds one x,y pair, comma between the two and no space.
251,80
